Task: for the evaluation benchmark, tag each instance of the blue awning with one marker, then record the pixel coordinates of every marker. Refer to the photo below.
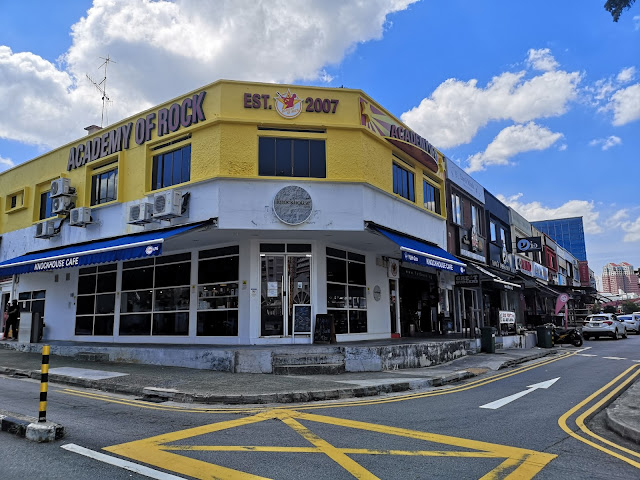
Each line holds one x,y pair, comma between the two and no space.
421,253
140,245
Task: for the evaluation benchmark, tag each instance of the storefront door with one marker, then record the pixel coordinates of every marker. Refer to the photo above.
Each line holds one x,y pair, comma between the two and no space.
286,282
470,310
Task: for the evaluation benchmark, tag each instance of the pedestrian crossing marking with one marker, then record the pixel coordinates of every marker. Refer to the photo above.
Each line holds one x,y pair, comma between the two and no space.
161,450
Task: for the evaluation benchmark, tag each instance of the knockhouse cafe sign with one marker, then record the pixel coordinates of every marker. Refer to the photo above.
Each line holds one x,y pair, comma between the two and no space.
405,139
169,120
292,205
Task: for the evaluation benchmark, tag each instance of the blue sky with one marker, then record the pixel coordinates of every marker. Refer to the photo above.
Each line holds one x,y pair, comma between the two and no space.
539,101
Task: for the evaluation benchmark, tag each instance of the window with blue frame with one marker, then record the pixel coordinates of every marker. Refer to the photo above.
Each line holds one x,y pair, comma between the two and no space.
171,168
104,187
45,205
403,182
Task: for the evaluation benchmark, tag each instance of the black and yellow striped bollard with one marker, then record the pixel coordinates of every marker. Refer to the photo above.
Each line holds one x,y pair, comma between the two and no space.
44,384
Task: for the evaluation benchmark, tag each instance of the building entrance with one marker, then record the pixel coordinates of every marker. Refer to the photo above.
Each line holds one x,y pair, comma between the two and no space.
286,282
418,302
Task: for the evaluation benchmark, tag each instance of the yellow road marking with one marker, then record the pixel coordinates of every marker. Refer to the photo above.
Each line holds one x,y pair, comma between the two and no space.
322,405
518,463
562,421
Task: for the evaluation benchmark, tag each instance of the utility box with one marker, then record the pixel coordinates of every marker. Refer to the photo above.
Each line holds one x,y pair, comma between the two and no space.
488,340
545,336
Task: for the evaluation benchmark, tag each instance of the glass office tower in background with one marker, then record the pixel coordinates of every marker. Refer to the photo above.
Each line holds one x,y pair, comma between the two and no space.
568,232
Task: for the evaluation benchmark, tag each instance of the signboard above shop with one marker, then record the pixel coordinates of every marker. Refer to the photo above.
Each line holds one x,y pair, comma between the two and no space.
387,127
528,244
168,120
472,280
463,180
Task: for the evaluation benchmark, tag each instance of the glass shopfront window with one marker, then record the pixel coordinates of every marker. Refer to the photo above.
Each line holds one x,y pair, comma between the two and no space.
218,292
156,296
346,290
96,300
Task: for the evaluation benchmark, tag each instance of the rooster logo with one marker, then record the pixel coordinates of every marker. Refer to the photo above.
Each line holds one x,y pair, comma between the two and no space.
289,105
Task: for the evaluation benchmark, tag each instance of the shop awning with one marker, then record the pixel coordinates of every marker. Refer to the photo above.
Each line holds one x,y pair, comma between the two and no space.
421,253
140,245
492,276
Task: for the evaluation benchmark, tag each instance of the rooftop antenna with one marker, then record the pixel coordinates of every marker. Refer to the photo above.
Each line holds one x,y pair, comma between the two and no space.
102,86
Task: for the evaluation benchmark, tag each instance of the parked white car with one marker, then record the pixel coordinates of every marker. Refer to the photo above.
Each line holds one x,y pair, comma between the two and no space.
631,321
603,325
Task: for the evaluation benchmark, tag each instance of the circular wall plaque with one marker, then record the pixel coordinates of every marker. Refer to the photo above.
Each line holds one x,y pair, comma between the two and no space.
292,205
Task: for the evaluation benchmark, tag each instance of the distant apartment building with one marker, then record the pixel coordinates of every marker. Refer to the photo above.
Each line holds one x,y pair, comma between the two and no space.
567,232
619,277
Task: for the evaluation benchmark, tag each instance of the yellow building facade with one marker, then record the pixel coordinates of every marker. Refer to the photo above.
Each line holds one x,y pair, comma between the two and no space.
269,204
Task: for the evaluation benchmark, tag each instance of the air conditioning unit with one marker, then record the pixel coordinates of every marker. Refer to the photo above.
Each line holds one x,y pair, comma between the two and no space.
140,213
60,205
61,186
167,204
80,217
46,229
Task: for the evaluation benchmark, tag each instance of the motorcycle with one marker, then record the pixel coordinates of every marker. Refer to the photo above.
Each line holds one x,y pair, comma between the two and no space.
570,335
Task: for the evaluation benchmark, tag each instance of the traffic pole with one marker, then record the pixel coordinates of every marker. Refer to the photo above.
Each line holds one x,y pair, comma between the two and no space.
44,384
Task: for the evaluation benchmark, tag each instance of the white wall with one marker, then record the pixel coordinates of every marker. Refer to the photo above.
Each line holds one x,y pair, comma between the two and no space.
244,206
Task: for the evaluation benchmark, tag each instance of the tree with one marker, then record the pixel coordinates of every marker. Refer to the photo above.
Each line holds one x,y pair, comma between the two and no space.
609,309
629,307
615,7
596,308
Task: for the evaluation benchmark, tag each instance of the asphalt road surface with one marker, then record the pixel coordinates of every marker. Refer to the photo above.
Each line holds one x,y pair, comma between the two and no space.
534,420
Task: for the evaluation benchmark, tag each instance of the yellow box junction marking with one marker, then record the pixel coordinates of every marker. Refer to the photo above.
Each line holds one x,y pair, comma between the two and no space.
518,463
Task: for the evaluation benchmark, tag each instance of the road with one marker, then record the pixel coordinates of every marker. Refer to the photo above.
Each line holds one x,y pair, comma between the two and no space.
437,433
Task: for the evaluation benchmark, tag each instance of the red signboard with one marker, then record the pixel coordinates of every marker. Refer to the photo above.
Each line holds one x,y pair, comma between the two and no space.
583,268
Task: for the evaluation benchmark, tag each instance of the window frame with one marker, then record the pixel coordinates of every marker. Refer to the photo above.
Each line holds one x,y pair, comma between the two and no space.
398,179
349,305
160,159
437,208
456,209
47,206
313,170
219,297
97,174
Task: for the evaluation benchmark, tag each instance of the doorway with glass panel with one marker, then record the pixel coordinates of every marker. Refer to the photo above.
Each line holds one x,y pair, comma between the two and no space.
285,283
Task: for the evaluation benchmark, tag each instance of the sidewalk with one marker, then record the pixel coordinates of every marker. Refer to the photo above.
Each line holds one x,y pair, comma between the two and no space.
212,387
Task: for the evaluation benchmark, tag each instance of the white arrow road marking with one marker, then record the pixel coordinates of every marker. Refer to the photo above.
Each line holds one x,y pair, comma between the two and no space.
587,355
583,349
614,358
511,398
133,467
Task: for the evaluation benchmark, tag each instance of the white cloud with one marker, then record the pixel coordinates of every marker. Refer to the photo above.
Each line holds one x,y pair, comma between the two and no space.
563,147
511,141
625,104
541,59
456,110
6,163
636,19
573,208
632,230
606,143
164,49
617,219
626,75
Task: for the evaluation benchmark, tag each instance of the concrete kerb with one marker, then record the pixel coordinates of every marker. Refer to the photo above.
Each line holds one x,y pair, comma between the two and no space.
29,427
623,414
